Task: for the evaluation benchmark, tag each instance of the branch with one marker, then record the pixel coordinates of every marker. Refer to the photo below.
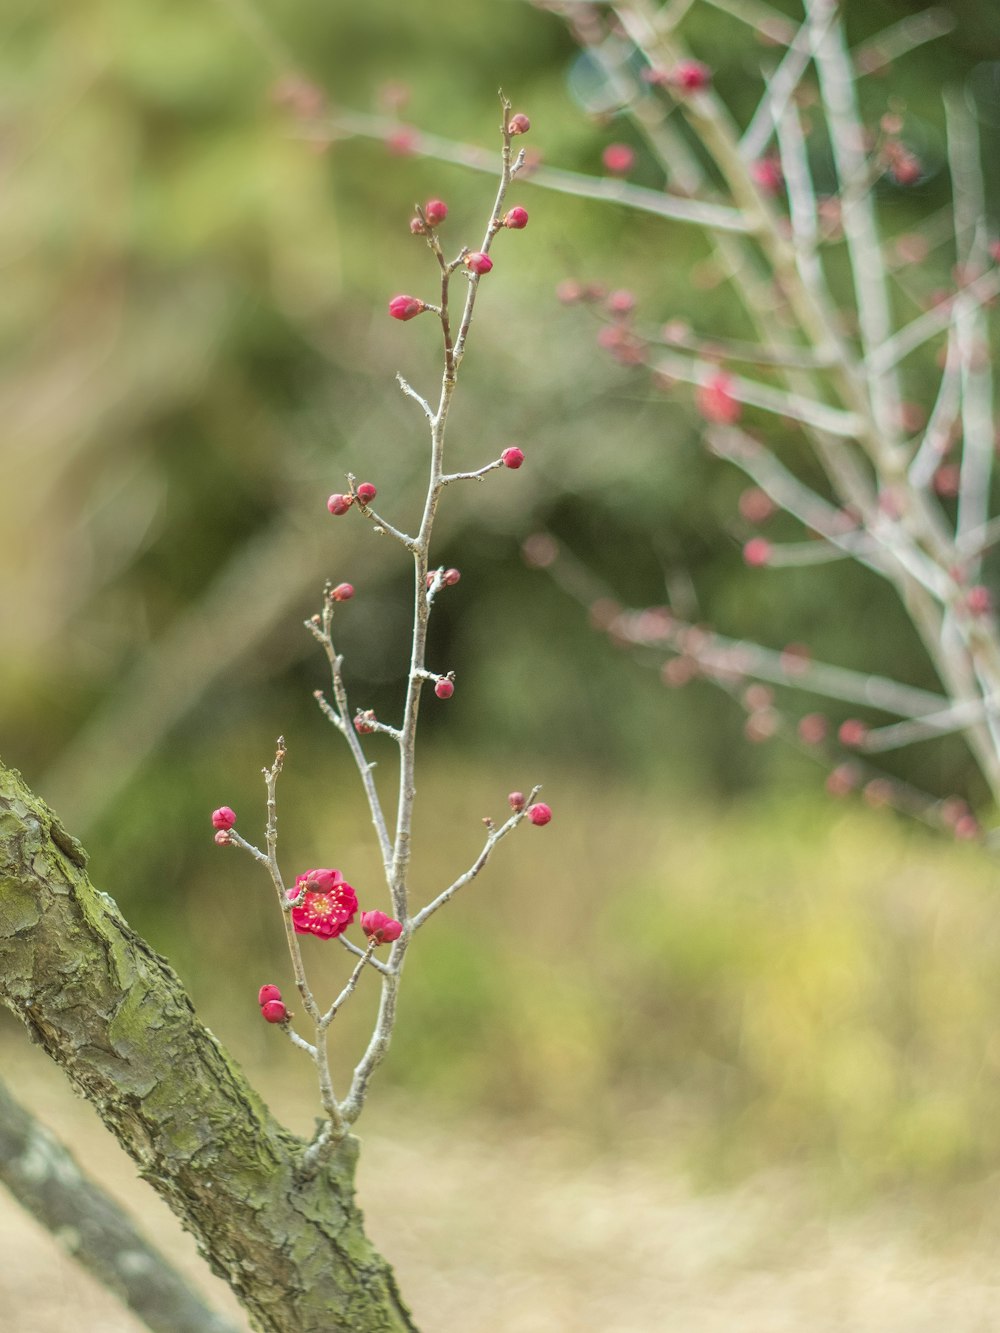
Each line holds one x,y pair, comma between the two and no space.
45,1178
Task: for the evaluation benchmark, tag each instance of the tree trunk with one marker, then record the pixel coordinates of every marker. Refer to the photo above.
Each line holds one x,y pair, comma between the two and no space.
115,1017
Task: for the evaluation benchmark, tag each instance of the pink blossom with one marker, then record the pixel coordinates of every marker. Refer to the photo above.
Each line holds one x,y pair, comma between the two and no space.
268,993
224,817
512,457
327,907
435,211
274,1011
477,262
516,218
539,813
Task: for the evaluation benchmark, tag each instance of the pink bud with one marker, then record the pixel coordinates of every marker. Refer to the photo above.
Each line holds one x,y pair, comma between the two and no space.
512,457
757,552
852,732
380,928
417,227
842,779
812,728
692,76
539,814
366,492
618,158
978,600
402,141
223,838
343,592
768,174
519,123
715,399
435,211
477,262
444,689
570,291
274,1011
450,577
339,504
268,993
364,722
621,302
516,218
516,801
224,817
755,505
406,307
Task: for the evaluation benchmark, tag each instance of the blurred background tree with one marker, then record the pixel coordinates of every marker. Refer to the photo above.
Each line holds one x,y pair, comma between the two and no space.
196,351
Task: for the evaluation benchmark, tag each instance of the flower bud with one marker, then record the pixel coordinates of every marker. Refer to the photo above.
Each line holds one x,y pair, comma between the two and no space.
519,123
618,159
406,307
757,552
477,262
450,577
512,457
364,722
852,732
417,226
978,600
692,76
380,928
715,399
516,218
343,592
274,1011
366,492
621,302
222,838
516,801
224,817
539,814
435,211
445,688
339,504
268,993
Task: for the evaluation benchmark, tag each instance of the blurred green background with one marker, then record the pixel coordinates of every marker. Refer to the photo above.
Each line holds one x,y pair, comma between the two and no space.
700,953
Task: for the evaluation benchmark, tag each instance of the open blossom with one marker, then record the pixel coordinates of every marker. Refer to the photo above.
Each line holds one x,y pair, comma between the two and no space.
328,904
380,928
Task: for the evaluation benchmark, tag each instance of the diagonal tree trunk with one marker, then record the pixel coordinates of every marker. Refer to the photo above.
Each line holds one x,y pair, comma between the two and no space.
115,1017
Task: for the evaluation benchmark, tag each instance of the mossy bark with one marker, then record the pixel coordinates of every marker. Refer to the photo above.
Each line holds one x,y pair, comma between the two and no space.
115,1017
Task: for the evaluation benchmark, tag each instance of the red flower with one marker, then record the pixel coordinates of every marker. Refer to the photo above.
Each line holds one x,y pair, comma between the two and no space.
328,905
381,928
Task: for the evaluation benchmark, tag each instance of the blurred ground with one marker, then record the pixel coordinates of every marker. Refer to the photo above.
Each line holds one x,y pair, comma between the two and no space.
500,1232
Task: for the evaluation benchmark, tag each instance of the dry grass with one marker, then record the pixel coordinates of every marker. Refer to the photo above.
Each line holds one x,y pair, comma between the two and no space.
499,1232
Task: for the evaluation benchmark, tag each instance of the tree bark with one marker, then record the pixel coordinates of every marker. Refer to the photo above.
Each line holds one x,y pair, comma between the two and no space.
115,1017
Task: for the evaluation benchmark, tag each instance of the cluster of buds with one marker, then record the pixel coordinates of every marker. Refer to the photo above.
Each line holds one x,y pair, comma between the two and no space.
272,1006
380,928
339,503
223,820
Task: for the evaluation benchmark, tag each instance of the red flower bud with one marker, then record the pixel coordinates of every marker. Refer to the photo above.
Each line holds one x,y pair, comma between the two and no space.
224,817
621,302
477,262
444,689
516,219
417,227
363,722
519,123
715,400
450,577
366,492
268,993
406,307
516,801
692,76
539,814
274,1011
512,457
223,838
380,928
435,211
618,158
339,504
343,592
